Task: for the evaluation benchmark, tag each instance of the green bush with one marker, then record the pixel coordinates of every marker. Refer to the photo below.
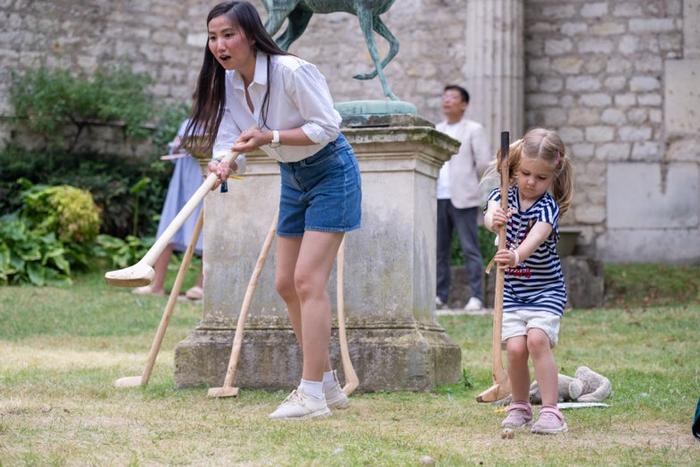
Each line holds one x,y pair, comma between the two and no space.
29,257
168,122
66,211
119,253
109,178
47,101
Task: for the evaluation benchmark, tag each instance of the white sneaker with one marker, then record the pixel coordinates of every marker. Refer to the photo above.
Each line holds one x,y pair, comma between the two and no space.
474,304
439,304
299,406
335,397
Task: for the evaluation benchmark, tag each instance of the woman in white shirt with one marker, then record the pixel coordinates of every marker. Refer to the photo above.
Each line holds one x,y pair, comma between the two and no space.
251,94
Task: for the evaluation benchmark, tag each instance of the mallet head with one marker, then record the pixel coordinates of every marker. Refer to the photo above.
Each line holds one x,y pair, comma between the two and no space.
223,392
138,275
128,382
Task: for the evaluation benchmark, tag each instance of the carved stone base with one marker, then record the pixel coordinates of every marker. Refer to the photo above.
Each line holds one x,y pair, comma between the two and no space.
416,358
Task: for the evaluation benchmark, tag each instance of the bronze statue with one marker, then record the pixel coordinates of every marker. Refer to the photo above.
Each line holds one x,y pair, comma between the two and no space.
299,12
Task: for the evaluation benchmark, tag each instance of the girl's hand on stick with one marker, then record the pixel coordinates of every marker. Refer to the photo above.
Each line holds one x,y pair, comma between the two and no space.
506,258
500,217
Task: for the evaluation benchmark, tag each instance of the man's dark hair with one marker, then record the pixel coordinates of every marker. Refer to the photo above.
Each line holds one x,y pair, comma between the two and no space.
463,92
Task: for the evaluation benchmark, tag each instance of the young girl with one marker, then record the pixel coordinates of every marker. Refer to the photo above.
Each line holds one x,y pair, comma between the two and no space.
251,94
534,294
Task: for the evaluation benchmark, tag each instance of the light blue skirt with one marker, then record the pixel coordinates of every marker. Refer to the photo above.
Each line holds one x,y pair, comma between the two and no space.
187,177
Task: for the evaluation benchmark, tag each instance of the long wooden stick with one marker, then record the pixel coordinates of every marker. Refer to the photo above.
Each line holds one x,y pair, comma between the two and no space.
501,384
132,381
227,390
142,273
351,379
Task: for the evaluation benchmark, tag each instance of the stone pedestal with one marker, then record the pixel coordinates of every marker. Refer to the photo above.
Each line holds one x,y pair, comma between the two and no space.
395,342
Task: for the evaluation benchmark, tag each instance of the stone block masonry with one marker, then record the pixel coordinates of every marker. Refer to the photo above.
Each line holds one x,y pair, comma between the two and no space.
602,62
614,77
149,36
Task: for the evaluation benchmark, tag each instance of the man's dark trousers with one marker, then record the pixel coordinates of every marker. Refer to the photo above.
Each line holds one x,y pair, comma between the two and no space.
464,221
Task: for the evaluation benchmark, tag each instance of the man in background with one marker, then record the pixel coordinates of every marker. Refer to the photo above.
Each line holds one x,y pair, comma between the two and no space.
458,197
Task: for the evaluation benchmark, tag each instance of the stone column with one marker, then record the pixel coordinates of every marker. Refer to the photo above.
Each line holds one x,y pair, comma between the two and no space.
395,342
493,69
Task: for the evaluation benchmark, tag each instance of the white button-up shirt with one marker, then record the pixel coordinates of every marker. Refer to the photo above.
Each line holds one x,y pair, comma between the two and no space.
299,97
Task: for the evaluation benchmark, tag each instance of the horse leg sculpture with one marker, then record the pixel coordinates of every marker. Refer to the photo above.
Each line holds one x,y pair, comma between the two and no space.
367,20
383,31
298,20
277,12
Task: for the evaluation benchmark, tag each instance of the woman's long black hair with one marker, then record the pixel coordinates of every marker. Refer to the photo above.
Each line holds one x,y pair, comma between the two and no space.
210,94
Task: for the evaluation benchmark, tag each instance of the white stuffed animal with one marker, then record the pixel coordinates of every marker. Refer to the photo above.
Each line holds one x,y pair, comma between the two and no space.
585,386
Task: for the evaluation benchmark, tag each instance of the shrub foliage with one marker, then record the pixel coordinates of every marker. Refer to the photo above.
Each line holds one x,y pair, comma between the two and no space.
47,101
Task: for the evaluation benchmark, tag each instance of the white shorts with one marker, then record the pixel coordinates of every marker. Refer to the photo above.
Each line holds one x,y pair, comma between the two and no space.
517,323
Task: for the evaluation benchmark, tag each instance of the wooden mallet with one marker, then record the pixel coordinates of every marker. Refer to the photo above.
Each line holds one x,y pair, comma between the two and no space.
142,273
351,379
228,390
133,381
501,384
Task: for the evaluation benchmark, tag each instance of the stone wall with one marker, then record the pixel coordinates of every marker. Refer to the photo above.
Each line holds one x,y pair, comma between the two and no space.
165,39
598,72
156,37
617,78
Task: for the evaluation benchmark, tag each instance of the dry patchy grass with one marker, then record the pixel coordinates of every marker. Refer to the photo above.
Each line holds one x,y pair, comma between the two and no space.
58,405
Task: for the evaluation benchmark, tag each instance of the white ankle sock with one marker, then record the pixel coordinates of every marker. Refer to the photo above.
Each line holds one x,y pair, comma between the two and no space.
312,388
328,379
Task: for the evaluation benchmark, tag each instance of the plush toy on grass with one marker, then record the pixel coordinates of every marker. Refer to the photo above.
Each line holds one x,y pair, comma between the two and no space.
585,386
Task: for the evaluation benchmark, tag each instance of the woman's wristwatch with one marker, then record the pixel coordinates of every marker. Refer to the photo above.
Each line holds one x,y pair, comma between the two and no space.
275,143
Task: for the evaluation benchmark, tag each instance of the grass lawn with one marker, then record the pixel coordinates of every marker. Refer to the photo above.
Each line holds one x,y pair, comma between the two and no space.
61,349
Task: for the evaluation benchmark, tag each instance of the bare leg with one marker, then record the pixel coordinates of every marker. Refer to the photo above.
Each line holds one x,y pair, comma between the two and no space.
518,371
545,367
285,263
314,264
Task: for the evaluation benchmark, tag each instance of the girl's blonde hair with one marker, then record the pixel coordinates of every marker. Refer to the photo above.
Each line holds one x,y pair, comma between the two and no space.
547,145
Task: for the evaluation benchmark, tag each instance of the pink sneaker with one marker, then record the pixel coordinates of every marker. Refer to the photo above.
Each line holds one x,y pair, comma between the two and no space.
519,415
551,421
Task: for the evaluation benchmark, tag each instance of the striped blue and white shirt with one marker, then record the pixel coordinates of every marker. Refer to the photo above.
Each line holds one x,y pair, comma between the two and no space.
536,284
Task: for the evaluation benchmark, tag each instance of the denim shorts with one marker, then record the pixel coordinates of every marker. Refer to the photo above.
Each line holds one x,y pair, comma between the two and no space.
322,192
